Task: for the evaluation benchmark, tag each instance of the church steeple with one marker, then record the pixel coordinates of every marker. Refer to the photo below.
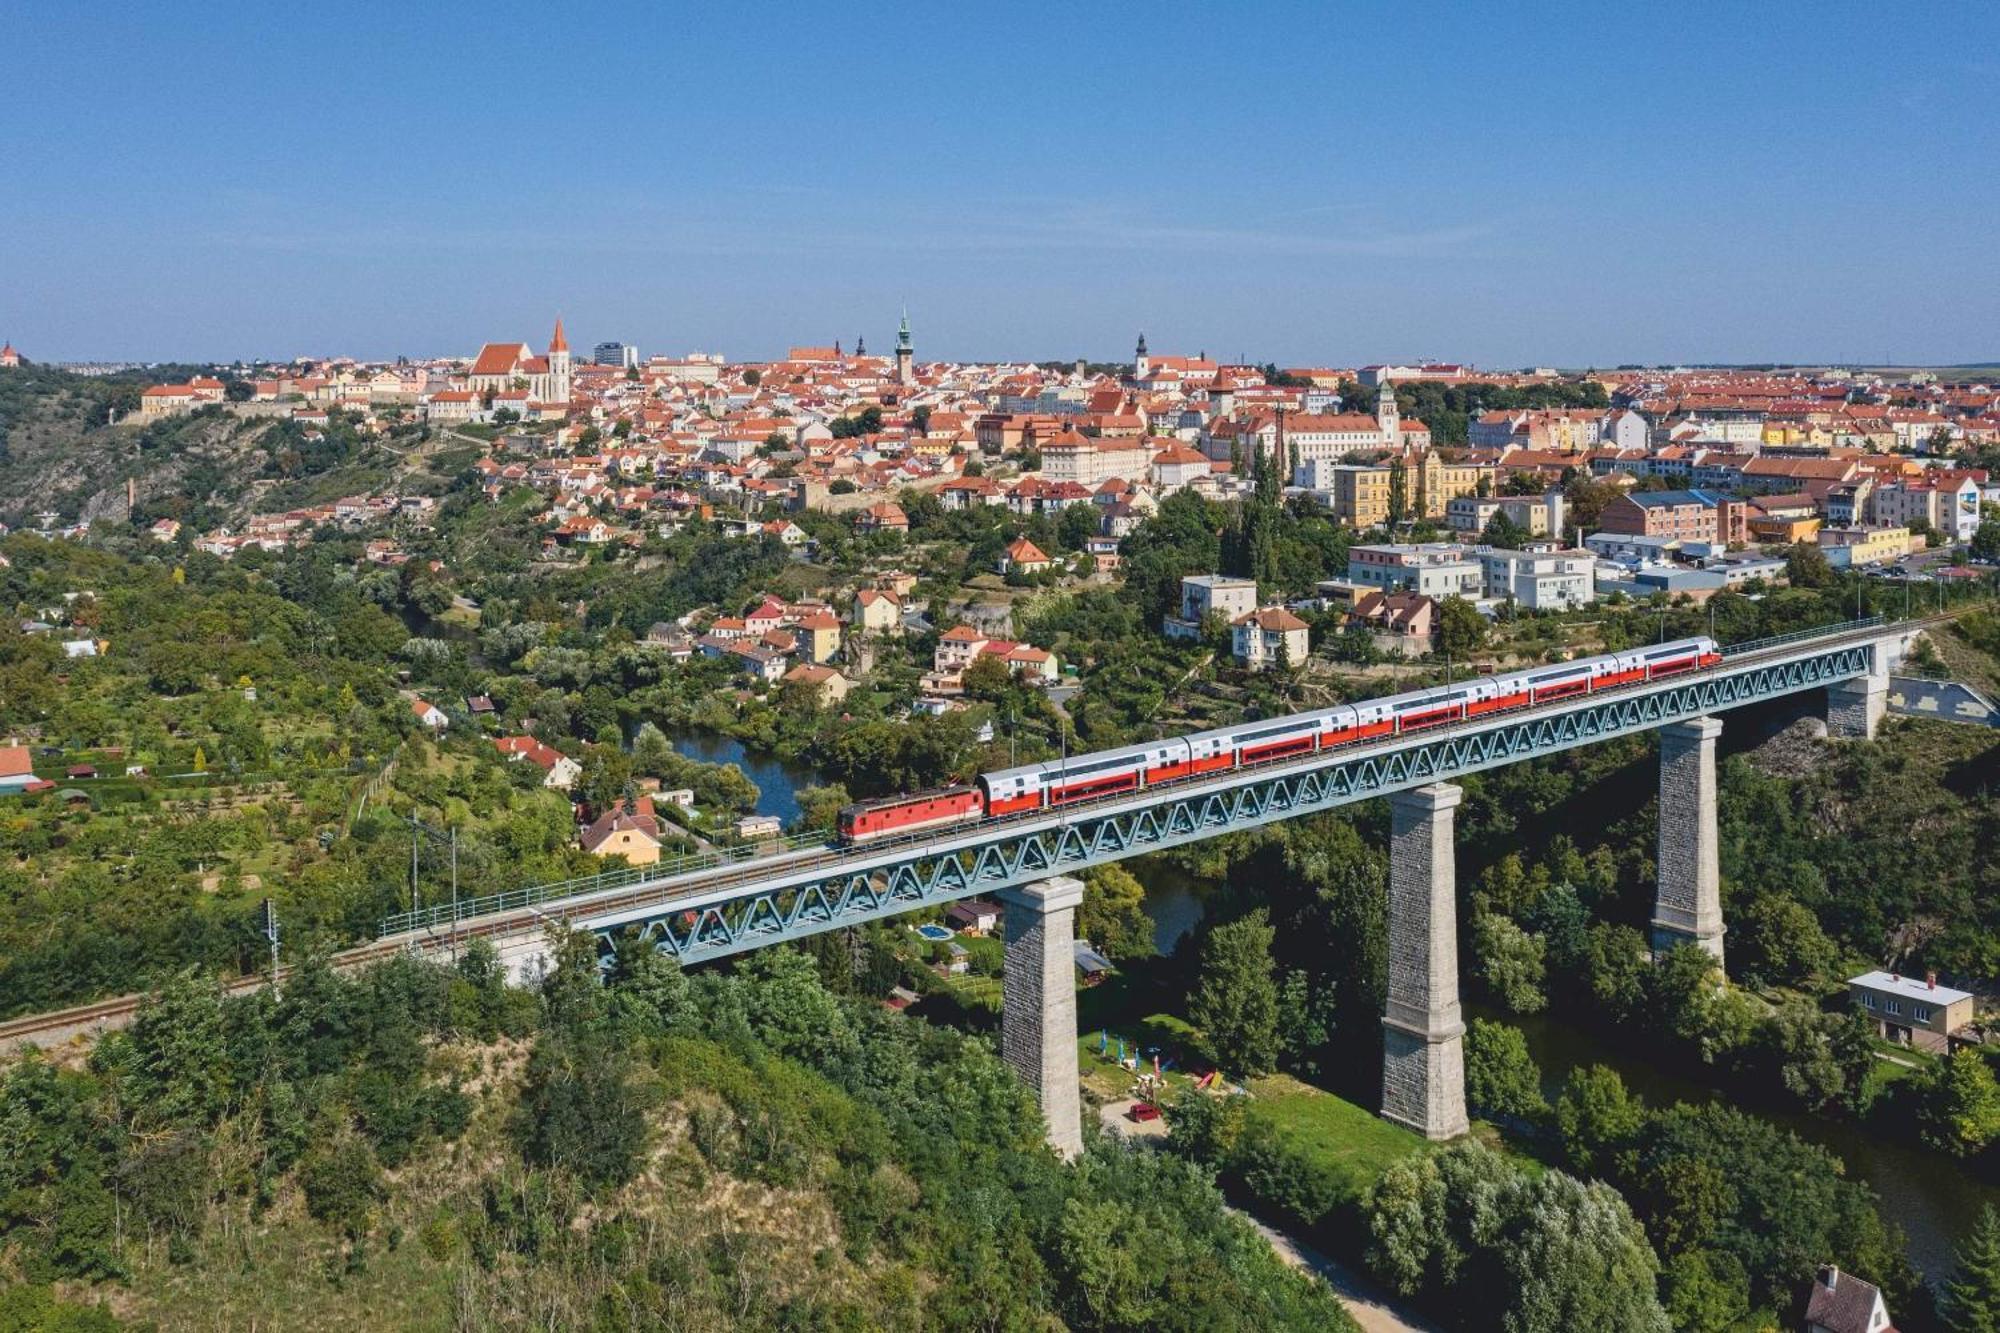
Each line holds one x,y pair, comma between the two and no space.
1387,415
861,344
906,357
559,365
1141,363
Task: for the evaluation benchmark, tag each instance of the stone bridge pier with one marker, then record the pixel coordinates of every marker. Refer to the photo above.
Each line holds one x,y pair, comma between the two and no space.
1038,1002
1423,1033
1854,708
1687,902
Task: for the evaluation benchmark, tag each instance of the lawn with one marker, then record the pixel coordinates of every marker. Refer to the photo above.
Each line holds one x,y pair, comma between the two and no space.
1349,1141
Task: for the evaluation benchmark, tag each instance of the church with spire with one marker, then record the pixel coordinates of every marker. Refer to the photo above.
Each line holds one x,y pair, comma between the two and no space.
506,367
906,356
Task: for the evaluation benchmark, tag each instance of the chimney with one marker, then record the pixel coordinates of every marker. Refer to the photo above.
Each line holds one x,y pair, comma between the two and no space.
1930,979
1829,1276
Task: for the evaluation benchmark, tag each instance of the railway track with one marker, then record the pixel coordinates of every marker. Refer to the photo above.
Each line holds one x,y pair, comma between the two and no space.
116,1012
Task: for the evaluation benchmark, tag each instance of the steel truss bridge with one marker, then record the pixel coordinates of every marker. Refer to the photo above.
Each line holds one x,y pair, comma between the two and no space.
799,893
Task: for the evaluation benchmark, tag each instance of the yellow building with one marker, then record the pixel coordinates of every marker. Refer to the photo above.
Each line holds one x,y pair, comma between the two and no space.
1434,483
1864,546
1786,531
1358,494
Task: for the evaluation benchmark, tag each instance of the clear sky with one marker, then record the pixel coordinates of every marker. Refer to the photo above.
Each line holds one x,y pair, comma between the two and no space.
1319,182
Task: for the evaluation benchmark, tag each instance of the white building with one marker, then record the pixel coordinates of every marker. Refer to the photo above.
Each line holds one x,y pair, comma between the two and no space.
1540,580
1435,569
1269,637
1203,593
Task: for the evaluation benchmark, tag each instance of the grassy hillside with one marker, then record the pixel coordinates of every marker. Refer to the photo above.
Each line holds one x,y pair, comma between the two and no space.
59,451
423,1148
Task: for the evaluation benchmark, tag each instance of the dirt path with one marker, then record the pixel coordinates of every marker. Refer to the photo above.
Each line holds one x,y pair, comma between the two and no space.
1368,1303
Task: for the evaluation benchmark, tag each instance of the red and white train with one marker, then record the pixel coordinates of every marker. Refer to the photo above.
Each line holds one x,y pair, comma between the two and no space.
1134,767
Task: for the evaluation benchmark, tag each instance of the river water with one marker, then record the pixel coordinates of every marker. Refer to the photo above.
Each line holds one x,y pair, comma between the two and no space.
1934,1200
777,782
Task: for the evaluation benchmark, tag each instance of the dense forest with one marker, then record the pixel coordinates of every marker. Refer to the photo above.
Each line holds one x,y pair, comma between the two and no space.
422,1146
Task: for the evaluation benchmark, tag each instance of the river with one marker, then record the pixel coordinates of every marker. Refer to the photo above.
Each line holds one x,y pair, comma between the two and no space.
778,782
1932,1198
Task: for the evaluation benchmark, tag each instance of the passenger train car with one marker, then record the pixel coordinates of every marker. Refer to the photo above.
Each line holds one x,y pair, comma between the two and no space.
1252,744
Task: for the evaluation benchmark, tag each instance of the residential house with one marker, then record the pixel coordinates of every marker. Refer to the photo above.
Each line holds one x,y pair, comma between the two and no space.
630,830
1843,1303
974,916
883,516
1847,548
1401,624
558,769
1910,1012
1268,637
17,768
429,715
1697,516
828,686
1024,557
876,611
1204,593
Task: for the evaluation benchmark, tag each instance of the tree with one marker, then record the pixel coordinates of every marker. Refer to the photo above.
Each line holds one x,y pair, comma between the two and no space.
1985,544
1706,1291
1579,1260
1778,941
1113,915
1807,567
753,377
1461,629
1504,532
1972,1298
987,678
342,1183
1510,962
1596,1117
820,806
1235,1004
1958,1103
1501,1078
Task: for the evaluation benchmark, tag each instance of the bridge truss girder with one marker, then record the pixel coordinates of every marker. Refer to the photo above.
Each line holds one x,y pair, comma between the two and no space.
697,927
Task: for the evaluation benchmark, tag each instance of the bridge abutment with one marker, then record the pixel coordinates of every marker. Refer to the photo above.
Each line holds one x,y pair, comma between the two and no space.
1038,1001
1854,708
1687,902
1423,1032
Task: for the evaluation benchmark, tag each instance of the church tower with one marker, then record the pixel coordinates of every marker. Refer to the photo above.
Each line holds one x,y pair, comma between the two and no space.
1141,363
1387,415
906,356
559,365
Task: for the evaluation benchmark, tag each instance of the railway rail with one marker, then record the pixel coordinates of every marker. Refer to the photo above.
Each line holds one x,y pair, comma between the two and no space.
115,1012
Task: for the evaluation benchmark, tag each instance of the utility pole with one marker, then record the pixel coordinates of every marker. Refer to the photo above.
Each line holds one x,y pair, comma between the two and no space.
271,934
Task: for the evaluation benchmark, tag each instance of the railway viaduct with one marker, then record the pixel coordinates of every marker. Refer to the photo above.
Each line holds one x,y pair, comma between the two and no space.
720,904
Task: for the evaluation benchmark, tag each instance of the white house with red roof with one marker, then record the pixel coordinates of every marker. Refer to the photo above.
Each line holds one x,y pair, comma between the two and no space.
558,769
429,715
17,768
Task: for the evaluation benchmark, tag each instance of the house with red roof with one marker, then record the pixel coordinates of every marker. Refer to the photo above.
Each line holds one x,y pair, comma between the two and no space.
1024,557
558,769
630,830
17,768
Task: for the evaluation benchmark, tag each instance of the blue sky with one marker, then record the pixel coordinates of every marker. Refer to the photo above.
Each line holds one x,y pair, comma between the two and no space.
1307,183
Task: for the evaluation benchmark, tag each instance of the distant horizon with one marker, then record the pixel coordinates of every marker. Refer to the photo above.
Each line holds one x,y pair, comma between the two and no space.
582,350
1387,183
